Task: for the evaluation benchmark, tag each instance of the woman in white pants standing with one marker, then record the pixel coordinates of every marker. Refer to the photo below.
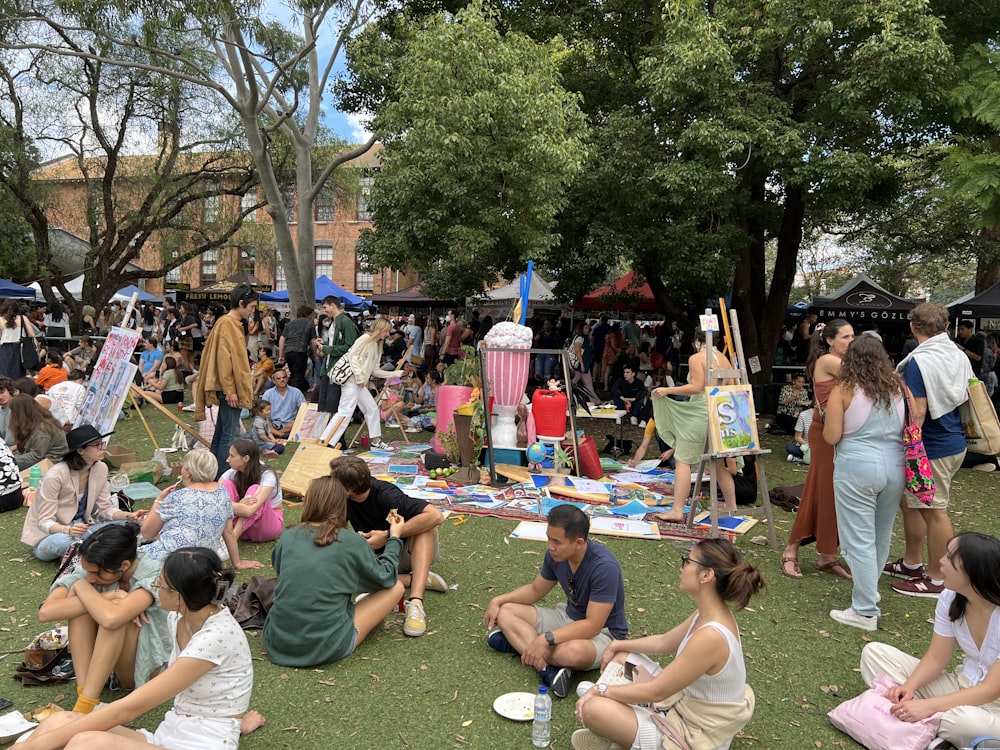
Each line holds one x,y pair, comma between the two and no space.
364,357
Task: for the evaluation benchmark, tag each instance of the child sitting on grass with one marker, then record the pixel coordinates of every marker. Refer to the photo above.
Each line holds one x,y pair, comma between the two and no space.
263,370
270,446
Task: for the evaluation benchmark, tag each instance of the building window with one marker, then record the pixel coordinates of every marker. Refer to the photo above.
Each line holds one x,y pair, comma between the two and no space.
363,282
248,260
209,266
324,205
173,276
280,282
288,198
247,203
210,212
363,195
324,260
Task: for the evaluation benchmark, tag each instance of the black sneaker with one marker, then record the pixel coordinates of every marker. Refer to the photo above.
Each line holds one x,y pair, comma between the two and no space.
498,642
557,679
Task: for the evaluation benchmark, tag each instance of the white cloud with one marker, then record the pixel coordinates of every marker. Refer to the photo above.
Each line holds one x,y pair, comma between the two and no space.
359,127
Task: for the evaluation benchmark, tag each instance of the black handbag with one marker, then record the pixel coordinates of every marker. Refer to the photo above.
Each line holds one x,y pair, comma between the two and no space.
29,354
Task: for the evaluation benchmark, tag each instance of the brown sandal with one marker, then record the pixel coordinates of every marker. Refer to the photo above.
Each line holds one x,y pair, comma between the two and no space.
796,572
834,567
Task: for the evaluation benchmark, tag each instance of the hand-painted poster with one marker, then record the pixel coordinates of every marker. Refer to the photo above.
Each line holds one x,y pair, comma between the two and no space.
732,421
110,381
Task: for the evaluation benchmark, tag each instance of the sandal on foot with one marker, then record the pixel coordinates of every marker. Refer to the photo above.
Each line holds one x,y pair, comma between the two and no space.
796,572
834,567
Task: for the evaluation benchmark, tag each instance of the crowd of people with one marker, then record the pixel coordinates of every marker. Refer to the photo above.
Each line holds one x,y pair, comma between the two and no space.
363,548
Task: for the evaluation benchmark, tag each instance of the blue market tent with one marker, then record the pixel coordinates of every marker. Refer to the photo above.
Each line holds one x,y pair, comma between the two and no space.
126,293
325,287
10,289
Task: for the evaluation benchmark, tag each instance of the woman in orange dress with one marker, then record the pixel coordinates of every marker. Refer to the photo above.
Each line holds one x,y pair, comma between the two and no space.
816,519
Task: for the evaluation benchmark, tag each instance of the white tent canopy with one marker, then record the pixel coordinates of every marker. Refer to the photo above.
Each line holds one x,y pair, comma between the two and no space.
540,294
73,286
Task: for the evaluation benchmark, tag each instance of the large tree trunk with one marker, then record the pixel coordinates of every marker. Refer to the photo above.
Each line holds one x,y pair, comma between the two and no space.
988,269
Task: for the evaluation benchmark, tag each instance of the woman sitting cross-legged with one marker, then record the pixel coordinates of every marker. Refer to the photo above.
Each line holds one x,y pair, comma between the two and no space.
168,387
35,432
967,617
321,565
701,698
197,514
255,493
73,496
102,598
209,677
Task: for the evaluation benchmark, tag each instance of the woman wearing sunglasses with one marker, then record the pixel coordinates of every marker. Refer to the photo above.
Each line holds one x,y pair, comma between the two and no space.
209,675
72,497
700,699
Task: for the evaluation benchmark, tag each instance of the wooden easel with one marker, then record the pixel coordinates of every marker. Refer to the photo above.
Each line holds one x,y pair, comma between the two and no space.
740,376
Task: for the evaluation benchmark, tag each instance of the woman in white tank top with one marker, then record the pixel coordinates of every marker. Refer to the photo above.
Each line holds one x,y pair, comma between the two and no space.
700,700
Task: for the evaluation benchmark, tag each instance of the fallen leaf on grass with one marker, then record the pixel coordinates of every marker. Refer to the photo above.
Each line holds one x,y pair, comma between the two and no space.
466,723
8,609
375,678
454,697
15,559
290,729
829,689
403,738
329,683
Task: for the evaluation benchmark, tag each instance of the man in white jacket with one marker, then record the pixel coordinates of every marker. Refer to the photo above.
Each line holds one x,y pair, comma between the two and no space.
937,374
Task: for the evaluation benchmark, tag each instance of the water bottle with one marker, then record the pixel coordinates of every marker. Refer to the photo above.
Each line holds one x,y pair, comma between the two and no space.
35,476
541,726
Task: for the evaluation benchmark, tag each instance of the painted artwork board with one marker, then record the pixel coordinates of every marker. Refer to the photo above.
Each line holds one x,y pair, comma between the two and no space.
309,424
110,381
732,419
308,462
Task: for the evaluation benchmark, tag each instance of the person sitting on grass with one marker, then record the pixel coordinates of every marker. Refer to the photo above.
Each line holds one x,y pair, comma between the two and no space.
35,434
81,357
263,370
798,449
666,455
255,493
285,403
261,431
965,619
168,388
371,500
195,512
572,635
701,698
322,562
209,675
103,599
67,399
53,372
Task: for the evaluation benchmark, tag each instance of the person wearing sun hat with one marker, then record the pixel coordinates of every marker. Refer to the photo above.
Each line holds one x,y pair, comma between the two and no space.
72,498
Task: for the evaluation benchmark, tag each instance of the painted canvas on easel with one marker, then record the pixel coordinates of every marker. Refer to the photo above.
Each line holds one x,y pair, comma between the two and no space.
732,420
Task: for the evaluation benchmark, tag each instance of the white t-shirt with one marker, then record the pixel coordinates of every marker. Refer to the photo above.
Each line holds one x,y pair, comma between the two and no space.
225,689
267,479
67,398
977,662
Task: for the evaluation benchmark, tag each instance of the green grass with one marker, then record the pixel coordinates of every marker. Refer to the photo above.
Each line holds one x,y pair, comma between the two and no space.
437,691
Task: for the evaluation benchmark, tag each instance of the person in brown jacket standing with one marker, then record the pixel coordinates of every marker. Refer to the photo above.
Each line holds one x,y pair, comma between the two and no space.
224,378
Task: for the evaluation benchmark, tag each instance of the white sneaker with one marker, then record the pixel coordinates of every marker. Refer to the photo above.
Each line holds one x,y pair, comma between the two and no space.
790,458
584,739
436,583
853,619
379,445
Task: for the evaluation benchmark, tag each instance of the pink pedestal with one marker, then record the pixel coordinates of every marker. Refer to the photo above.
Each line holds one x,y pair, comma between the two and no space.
449,398
507,372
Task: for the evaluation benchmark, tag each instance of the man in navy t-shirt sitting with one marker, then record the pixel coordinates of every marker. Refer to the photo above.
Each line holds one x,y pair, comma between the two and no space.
572,635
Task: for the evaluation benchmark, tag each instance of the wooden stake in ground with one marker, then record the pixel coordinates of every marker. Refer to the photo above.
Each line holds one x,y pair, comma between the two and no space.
170,415
142,418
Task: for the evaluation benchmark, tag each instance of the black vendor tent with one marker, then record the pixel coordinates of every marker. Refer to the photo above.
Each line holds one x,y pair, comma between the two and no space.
861,300
985,305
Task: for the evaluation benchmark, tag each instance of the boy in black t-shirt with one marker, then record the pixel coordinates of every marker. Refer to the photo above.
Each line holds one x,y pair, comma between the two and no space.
371,502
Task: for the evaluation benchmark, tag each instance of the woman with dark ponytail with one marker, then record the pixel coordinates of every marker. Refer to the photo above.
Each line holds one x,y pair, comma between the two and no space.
209,676
102,598
701,693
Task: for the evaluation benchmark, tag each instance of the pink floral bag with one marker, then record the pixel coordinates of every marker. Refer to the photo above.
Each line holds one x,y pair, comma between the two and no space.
919,478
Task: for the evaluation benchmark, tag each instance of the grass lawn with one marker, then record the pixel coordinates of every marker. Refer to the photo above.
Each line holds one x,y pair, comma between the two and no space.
437,691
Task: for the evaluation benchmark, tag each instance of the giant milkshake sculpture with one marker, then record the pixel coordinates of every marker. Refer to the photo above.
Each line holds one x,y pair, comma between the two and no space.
507,375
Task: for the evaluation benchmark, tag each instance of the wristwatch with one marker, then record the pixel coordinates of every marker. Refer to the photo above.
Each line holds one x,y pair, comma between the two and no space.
602,688
550,639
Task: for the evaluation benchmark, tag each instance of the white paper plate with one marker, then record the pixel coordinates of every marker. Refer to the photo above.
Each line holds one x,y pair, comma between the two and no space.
516,706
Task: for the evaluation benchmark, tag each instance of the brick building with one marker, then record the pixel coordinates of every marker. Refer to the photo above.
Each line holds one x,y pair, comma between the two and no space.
338,218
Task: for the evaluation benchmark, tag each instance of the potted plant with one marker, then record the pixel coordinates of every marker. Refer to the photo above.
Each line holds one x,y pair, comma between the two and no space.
561,460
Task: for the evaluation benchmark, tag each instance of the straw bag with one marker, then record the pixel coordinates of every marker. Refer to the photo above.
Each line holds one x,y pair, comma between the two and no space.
979,421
